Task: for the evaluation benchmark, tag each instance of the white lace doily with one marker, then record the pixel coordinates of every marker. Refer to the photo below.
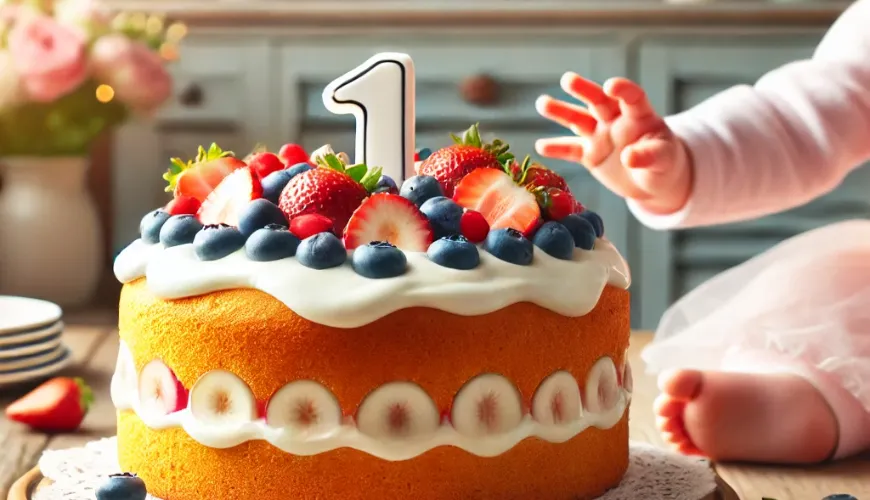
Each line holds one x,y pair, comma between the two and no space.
653,474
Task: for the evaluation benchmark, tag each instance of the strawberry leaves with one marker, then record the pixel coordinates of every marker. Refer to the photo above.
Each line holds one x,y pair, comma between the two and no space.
178,166
497,148
361,173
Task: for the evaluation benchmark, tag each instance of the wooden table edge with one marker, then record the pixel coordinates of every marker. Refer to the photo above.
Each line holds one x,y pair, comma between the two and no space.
24,486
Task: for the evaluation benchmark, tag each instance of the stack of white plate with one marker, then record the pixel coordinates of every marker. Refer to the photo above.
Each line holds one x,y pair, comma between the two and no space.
30,340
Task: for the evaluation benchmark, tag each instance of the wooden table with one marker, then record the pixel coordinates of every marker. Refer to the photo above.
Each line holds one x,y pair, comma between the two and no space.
94,344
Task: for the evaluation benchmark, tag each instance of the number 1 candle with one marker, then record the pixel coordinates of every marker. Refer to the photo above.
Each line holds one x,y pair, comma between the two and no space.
380,94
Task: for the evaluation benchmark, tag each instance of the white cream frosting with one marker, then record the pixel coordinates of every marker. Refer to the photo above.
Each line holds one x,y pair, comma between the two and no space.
350,434
341,298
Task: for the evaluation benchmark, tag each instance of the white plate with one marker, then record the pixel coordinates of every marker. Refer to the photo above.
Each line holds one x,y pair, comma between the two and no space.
26,348
31,360
16,339
21,313
37,372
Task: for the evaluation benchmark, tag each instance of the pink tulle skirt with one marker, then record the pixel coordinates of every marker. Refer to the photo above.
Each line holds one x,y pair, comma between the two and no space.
802,306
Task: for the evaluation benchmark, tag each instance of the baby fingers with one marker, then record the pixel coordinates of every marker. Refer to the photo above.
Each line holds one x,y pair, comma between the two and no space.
570,116
632,99
561,148
600,104
654,154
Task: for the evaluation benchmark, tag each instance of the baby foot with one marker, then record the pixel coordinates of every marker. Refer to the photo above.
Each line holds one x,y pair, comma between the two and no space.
779,418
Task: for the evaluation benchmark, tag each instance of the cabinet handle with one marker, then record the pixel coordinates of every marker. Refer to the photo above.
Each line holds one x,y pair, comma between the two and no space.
191,96
480,90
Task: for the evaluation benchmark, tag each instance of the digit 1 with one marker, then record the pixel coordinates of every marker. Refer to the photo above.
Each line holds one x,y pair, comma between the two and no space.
380,93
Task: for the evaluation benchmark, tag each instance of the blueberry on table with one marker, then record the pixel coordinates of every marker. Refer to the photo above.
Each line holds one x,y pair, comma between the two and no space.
379,259
216,241
509,245
386,184
420,188
273,242
454,252
596,221
581,230
151,224
124,486
179,230
555,240
321,251
444,216
274,183
259,214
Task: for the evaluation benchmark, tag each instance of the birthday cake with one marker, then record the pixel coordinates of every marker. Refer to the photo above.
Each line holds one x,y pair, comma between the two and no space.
297,325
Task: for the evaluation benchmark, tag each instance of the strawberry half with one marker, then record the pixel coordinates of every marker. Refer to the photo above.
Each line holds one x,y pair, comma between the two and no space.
499,199
392,218
449,165
58,405
230,197
198,178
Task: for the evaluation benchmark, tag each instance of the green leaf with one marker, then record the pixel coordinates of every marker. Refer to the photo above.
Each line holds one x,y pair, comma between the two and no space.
456,138
371,178
357,172
332,161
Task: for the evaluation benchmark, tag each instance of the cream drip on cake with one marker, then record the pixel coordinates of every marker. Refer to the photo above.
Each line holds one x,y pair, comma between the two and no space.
341,298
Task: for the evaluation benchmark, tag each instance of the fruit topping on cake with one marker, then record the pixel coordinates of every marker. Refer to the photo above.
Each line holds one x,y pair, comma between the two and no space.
160,391
292,154
509,245
487,405
216,241
151,225
222,398
321,251
258,214
309,225
274,183
398,410
454,252
271,243
379,259
473,226
304,406
422,154
331,189
444,216
386,185
390,218
582,231
420,188
449,165
179,230
198,177
183,205
264,163
227,201
557,400
555,240
499,199
596,222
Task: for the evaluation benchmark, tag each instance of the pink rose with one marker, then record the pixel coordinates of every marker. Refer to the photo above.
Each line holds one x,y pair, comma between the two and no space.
50,57
135,72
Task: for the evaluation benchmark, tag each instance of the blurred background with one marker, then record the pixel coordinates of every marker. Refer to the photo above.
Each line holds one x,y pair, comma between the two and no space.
243,72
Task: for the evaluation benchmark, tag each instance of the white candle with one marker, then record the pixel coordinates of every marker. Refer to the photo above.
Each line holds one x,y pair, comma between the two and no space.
380,94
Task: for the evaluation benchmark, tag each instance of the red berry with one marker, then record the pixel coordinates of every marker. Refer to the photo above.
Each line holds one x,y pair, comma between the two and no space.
560,204
293,154
392,218
502,203
264,164
416,156
309,225
474,226
183,205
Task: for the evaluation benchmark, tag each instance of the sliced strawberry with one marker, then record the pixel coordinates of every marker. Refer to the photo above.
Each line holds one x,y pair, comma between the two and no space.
292,154
198,177
501,202
183,205
264,164
392,218
230,197
450,164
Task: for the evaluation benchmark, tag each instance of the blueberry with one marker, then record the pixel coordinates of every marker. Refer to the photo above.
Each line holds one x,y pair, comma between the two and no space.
840,496
122,487
420,188
443,214
455,252
321,251
298,169
379,259
555,240
596,221
581,230
179,230
423,154
259,214
386,184
274,184
273,242
509,245
216,241
150,226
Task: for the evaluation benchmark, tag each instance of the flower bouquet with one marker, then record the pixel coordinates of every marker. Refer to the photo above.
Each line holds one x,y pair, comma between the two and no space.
70,69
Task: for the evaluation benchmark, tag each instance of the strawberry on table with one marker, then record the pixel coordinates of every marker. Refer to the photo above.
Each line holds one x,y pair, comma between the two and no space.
230,198
449,165
499,199
389,218
58,405
198,177
331,189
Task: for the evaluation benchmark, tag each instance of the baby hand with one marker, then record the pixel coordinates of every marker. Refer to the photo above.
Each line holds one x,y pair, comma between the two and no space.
623,142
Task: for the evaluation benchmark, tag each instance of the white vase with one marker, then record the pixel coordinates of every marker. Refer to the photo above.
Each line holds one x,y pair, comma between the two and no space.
50,238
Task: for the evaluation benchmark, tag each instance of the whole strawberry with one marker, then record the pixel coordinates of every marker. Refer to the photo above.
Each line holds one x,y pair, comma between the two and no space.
537,175
331,189
555,203
449,165
58,405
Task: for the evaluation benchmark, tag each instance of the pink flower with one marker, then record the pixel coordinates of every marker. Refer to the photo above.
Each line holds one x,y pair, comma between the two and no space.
50,57
134,71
